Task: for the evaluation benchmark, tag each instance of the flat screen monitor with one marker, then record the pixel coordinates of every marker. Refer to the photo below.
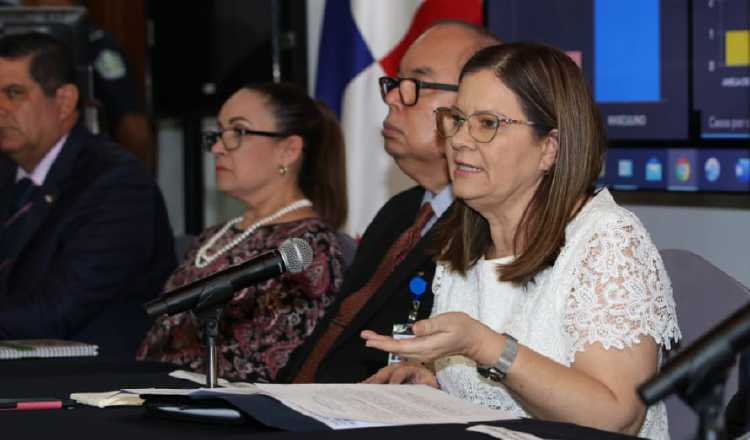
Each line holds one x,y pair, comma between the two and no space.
681,167
721,68
634,54
671,78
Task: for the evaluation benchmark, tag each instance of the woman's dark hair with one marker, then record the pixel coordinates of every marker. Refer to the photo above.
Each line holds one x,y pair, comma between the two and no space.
322,175
553,94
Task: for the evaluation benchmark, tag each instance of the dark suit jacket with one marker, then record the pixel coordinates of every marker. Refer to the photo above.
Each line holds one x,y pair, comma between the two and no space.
95,244
349,360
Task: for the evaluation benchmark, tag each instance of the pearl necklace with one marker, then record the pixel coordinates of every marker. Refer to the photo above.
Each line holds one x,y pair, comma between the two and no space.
203,259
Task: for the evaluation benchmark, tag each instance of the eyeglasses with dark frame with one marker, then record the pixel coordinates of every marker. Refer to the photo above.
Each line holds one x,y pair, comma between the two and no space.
483,126
231,137
408,88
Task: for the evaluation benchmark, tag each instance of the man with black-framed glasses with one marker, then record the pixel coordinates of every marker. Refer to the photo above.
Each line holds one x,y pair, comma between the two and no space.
390,277
408,88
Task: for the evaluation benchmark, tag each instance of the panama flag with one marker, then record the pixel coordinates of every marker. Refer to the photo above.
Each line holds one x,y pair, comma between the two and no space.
362,40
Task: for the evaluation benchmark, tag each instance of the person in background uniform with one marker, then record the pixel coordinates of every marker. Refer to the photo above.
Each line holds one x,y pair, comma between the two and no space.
115,90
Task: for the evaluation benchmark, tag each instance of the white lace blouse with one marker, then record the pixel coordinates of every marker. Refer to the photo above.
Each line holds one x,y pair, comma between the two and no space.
608,285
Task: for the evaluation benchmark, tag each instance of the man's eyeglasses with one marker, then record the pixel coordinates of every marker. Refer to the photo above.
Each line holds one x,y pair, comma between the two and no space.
232,137
483,126
408,88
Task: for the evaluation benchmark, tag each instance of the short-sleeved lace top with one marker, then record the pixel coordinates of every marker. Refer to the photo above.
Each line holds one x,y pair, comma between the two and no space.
608,285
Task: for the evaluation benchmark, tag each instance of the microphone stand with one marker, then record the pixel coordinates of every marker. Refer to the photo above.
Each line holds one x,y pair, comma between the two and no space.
705,395
209,319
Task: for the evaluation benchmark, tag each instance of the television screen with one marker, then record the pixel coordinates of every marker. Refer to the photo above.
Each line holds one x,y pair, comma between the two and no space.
721,67
678,169
633,52
671,77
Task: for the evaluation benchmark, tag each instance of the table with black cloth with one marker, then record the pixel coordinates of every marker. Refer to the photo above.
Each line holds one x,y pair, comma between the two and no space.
60,377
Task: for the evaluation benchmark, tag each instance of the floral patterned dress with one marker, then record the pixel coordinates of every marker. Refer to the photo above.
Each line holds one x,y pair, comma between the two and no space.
262,324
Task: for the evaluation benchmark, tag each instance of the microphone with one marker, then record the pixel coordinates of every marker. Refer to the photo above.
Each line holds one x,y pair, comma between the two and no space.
713,351
293,255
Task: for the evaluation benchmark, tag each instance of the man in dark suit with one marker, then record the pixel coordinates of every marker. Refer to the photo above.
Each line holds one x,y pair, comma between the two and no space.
428,75
84,235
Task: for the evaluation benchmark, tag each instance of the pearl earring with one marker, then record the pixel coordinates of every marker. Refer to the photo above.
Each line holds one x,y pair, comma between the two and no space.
283,169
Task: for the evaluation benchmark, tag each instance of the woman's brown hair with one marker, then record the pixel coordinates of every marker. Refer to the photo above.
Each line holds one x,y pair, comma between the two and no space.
322,175
554,95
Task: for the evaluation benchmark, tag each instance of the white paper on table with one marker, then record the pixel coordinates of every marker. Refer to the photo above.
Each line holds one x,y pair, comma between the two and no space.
162,391
381,404
343,406
126,397
131,396
332,422
502,433
200,379
107,398
248,389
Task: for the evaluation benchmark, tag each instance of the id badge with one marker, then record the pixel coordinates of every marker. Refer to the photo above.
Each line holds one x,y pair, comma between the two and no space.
400,331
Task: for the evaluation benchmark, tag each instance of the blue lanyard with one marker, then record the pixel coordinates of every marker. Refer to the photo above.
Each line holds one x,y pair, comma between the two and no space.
417,286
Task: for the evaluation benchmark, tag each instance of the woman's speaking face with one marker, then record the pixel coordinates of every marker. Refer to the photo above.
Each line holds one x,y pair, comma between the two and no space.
251,165
504,172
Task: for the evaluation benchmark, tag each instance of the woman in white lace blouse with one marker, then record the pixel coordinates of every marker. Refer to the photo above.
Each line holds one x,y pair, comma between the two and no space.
540,277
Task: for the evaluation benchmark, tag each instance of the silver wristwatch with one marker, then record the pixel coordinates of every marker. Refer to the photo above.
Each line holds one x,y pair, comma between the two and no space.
498,371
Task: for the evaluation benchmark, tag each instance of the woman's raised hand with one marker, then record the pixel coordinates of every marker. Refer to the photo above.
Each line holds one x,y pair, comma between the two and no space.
452,333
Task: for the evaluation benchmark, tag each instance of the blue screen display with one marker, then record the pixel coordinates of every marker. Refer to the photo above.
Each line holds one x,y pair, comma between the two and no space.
672,83
634,53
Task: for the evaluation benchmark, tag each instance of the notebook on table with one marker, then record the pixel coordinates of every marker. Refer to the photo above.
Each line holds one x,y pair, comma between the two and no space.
45,348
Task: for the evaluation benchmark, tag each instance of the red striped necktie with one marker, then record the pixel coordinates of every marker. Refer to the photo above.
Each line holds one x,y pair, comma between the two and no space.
354,302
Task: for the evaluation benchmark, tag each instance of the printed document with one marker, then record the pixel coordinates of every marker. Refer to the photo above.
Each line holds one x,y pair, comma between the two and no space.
339,406
351,405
